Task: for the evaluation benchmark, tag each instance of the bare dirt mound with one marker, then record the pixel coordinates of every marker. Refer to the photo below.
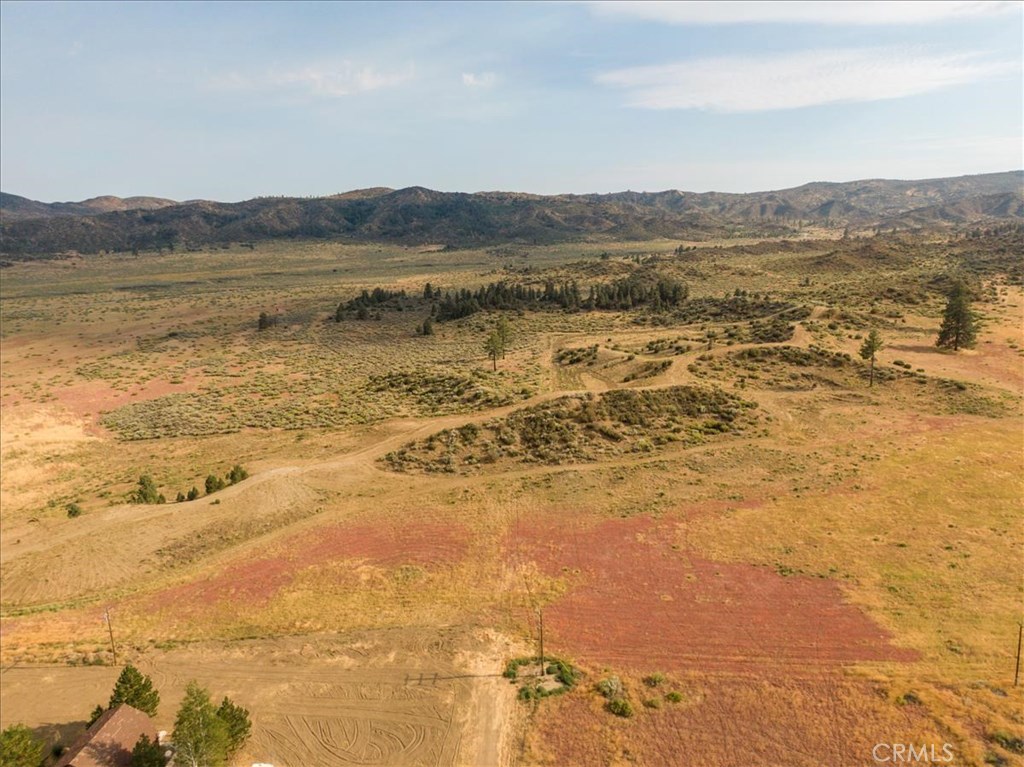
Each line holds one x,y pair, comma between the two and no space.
637,600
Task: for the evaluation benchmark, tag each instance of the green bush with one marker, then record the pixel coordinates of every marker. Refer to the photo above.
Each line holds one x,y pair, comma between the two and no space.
146,492
214,483
610,688
1012,743
237,474
74,510
621,707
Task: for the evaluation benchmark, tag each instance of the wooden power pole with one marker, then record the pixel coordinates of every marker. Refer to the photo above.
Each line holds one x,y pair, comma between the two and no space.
110,630
1016,670
540,613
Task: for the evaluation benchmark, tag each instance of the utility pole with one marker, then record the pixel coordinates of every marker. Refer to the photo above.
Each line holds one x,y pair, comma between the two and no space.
540,612
110,630
1016,670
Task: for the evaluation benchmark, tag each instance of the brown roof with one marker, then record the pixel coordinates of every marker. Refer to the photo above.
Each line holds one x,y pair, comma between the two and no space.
110,740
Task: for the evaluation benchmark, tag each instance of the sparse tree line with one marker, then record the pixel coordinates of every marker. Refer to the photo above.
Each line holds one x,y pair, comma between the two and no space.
146,491
204,735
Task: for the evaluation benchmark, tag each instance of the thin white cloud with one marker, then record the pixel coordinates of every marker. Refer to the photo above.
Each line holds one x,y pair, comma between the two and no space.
334,80
833,12
794,80
478,80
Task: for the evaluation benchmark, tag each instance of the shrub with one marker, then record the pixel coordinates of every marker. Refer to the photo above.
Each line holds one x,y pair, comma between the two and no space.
237,474
214,483
621,707
673,697
654,679
1011,743
74,510
611,687
146,492
652,703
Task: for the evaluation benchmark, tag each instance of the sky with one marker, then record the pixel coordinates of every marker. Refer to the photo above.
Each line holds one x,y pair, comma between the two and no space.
229,101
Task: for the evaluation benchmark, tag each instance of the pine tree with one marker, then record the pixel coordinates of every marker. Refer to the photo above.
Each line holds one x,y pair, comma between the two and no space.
148,753
871,346
135,689
236,719
504,331
958,323
494,348
200,736
19,747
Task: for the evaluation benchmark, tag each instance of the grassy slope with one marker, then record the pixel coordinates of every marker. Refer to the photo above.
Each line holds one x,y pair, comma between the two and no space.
845,477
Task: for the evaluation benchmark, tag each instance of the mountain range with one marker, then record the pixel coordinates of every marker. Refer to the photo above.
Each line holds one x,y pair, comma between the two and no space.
417,215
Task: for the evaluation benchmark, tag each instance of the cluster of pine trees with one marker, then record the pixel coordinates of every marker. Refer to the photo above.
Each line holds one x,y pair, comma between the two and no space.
627,293
369,299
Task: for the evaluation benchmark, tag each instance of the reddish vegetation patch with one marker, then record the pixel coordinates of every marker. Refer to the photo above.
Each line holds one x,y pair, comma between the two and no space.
256,581
730,721
385,544
635,602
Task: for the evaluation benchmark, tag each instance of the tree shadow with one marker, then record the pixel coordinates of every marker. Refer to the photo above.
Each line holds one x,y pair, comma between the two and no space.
61,735
916,348
113,754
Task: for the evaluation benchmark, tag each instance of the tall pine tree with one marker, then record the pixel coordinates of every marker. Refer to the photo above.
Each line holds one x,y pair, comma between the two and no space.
958,323
871,346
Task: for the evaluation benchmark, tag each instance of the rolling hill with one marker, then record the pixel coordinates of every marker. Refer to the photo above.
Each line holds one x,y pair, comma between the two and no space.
418,215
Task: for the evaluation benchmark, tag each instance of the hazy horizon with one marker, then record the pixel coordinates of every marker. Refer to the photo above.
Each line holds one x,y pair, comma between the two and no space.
511,191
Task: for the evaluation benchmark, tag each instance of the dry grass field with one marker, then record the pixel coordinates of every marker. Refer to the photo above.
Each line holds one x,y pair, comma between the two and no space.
780,563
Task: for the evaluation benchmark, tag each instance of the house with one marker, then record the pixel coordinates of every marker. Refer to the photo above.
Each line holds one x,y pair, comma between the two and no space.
110,739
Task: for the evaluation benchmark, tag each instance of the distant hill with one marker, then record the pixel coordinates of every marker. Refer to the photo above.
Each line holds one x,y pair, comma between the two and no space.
417,215
13,207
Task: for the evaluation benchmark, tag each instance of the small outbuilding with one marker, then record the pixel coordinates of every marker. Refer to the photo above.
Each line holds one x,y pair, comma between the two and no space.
110,739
